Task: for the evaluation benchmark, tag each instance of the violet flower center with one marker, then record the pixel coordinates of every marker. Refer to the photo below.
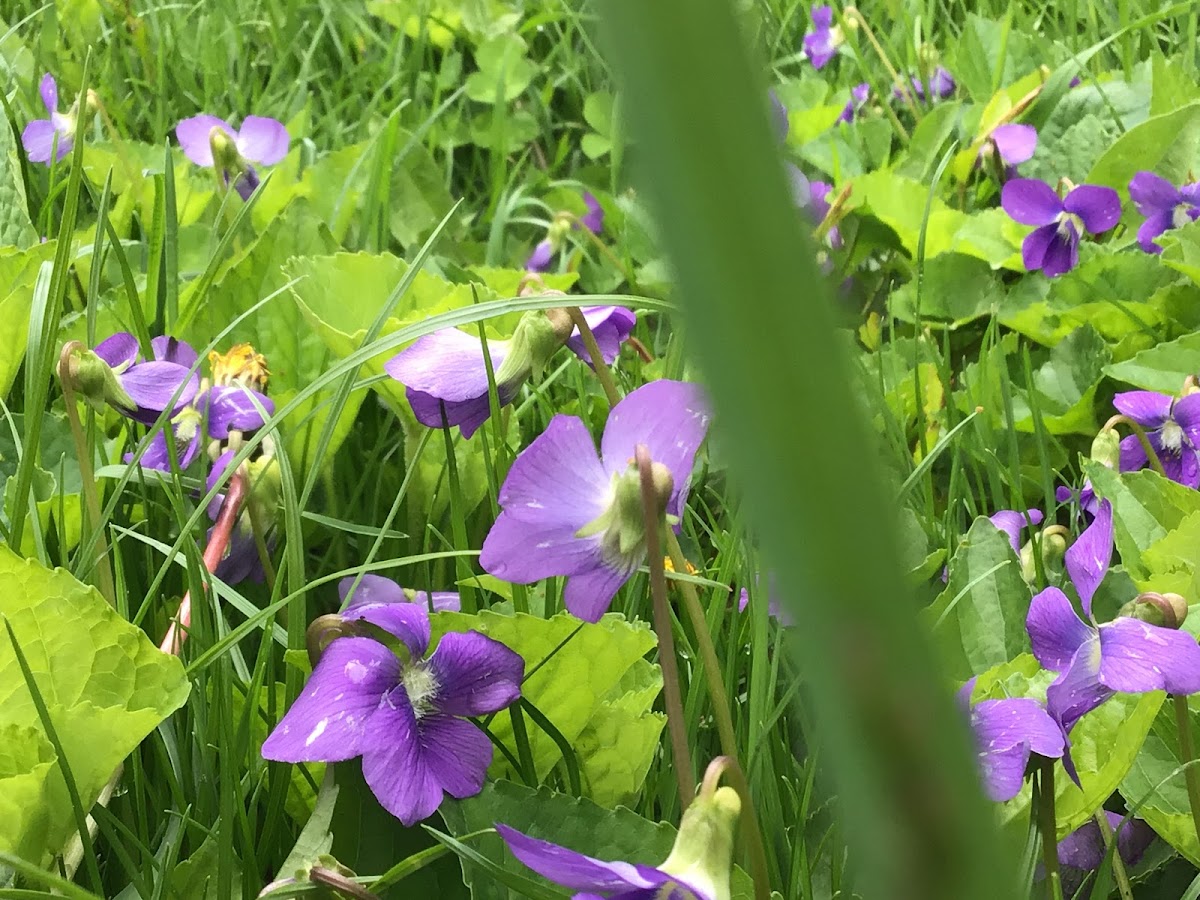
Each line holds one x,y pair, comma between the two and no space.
421,687
1171,436
1066,220
1181,215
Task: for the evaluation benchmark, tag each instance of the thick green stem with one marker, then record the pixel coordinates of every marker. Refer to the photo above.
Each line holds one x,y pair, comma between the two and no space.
1124,888
593,349
1187,752
1047,827
750,830
1155,462
672,697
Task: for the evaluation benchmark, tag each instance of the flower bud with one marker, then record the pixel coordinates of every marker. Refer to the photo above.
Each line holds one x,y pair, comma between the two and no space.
91,103
91,377
702,857
538,337
224,151
623,525
1190,386
1106,448
1166,610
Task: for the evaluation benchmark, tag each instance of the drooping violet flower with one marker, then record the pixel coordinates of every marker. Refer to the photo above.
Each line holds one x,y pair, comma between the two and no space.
1012,522
859,95
1086,497
1173,428
941,85
1007,733
1053,246
445,372
1012,143
1164,206
698,868
1084,847
544,252
40,134
1096,661
142,389
822,42
405,719
819,208
214,143
568,511
375,589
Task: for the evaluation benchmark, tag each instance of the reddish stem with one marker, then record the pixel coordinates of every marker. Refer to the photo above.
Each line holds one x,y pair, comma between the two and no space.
218,543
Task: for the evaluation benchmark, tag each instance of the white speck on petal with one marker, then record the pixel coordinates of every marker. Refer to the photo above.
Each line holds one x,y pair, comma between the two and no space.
316,732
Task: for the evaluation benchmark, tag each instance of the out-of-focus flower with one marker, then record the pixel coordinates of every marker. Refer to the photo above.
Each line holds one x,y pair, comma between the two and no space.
568,511
859,95
1164,206
39,135
1012,144
941,85
544,252
821,43
214,143
1053,246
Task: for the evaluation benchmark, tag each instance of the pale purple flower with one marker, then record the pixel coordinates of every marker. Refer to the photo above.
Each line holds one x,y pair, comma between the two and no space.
261,140
152,385
774,609
822,42
1164,206
446,372
819,208
568,511
1007,733
405,719
594,879
1012,143
1084,847
39,135
375,589
1173,428
859,95
1096,661
941,85
1053,246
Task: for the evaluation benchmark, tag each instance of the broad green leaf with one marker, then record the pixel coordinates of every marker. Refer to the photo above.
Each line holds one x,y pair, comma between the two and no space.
992,52
16,228
956,289
504,72
1181,250
1172,563
1146,507
598,113
105,684
1162,367
315,838
1167,145
572,684
1066,386
985,626
1166,807
27,765
18,271
608,834
296,356
1172,86
196,877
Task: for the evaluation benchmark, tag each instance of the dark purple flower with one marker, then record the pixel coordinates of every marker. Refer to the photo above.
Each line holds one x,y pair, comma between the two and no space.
446,370
241,561
543,254
941,85
375,589
1097,661
40,134
859,95
260,140
1007,732
593,219
1164,206
151,385
541,257
405,719
568,511
593,879
1013,144
1053,247
1084,847
822,42
1173,429
1086,497
1012,523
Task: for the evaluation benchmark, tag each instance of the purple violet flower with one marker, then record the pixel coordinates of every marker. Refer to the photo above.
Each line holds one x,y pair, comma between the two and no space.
819,207
1173,428
1053,246
543,254
39,135
1096,661
1164,206
151,385
1007,732
377,590
568,511
405,719
859,95
941,85
1086,497
822,42
260,140
1012,143
446,369
1084,847
774,609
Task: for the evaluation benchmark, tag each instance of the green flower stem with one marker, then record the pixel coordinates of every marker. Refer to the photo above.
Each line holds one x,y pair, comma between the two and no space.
1118,865
708,653
1044,801
672,697
598,364
91,499
1155,462
1187,752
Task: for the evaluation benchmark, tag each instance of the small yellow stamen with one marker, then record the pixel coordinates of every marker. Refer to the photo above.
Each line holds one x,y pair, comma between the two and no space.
241,365
669,566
